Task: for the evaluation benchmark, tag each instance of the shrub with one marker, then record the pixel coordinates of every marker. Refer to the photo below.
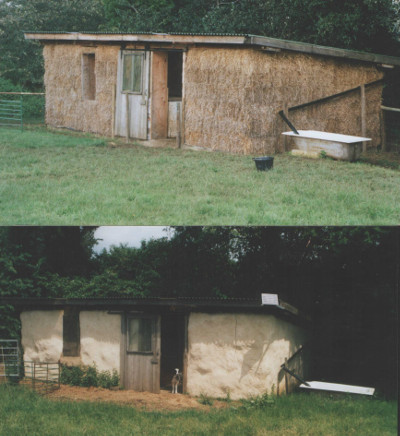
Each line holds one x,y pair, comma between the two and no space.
259,402
204,399
87,376
90,377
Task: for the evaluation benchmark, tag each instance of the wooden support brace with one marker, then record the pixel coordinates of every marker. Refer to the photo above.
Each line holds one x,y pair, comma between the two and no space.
363,117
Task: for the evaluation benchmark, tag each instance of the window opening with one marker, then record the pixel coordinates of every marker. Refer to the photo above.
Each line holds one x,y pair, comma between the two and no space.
132,73
71,333
88,76
140,334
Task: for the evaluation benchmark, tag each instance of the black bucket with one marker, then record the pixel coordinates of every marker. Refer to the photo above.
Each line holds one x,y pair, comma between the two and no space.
264,163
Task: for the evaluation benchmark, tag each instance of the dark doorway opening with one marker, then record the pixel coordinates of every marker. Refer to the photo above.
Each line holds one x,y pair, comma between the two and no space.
172,347
175,62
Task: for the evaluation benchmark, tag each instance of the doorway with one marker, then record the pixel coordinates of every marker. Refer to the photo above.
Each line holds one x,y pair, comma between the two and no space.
166,79
132,94
141,352
173,336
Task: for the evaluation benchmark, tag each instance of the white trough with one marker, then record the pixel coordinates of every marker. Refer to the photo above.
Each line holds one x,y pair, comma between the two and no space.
343,147
335,387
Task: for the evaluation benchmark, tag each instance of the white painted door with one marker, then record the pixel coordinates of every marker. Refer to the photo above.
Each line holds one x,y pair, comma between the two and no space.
132,96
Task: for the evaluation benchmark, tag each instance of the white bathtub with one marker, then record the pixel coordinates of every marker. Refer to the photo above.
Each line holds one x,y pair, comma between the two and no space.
343,147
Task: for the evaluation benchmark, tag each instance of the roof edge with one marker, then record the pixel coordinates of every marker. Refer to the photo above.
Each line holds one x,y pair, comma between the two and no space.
214,38
127,303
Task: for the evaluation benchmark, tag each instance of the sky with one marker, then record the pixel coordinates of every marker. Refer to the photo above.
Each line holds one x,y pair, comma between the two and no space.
129,235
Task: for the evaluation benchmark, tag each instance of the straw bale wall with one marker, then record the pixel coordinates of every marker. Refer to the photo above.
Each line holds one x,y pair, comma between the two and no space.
65,105
239,354
233,96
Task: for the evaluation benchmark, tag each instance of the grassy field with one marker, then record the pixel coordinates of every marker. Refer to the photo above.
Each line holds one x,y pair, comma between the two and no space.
61,178
23,412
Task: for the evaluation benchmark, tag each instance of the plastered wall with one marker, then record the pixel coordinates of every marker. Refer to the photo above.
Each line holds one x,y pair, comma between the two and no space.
238,353
42,335
233,96
42,338
100,339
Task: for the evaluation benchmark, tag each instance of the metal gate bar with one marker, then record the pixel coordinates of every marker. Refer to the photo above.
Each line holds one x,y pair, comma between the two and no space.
9,358
11,114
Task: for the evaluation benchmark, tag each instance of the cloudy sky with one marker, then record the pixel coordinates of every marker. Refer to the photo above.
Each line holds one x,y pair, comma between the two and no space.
130,235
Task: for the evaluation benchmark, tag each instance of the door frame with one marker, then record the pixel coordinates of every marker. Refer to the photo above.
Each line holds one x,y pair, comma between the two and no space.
128,101
124,339
156,347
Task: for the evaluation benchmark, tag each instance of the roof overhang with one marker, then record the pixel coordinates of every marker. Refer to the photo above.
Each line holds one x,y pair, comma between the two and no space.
261,42
179,304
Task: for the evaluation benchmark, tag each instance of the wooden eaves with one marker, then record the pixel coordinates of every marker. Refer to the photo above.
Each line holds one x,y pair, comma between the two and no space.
261,42
180,304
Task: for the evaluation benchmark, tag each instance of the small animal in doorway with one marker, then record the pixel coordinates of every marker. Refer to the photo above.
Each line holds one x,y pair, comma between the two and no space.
176,381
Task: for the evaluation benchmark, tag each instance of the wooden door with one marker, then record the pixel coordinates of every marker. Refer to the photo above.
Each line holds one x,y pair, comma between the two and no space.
141,370
132,96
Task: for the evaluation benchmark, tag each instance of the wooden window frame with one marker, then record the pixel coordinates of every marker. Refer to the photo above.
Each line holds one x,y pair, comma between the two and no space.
142,65
153,329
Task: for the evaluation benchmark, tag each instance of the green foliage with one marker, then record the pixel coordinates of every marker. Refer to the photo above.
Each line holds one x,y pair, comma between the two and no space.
87,376
205,400
72,375
259,402
21,61
32,105
360,24
24,412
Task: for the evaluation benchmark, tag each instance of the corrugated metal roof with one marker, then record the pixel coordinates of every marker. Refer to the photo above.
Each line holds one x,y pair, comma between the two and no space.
261,42
126,303
86,32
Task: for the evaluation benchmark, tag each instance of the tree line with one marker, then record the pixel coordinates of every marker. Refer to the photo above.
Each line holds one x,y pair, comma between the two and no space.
368,25
345,279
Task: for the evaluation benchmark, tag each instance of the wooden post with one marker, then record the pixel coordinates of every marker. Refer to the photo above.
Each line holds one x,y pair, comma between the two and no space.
285,138
185,355
178,126
363,117
383,129
123,350
113,112
286,378
127,117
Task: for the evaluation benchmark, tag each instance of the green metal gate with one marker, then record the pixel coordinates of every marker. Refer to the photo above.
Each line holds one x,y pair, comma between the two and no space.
11,114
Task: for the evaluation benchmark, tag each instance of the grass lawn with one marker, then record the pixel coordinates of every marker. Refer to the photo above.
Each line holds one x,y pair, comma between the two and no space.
23,412
71,179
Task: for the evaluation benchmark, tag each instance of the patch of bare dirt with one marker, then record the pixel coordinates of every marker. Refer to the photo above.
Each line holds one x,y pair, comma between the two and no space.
141,400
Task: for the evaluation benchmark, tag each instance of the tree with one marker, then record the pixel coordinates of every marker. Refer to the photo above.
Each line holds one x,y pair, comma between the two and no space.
33,260
368,25
21,61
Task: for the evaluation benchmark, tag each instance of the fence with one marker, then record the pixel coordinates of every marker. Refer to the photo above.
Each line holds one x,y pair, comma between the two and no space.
391,117
19,108
43,377
9,359
11,113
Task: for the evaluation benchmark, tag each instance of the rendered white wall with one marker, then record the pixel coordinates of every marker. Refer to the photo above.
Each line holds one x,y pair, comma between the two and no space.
238,353
42,335
100,339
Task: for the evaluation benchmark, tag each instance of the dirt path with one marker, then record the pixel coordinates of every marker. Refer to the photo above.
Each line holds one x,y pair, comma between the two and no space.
143,400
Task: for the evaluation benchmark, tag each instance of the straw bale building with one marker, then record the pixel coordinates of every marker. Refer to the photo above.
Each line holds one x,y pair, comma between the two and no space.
233,346
220,92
